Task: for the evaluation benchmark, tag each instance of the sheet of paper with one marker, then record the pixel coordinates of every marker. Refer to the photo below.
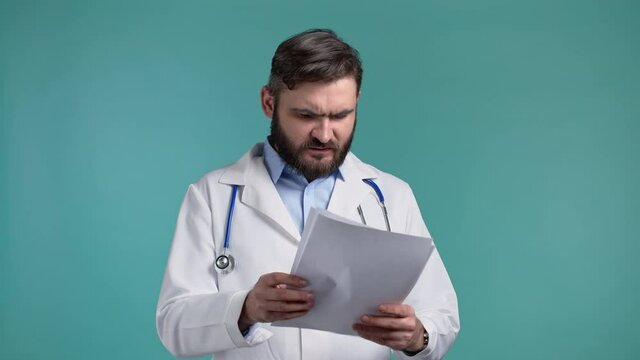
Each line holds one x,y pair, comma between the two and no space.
352,268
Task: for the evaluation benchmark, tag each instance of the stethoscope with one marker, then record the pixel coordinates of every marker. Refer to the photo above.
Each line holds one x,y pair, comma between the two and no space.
225,263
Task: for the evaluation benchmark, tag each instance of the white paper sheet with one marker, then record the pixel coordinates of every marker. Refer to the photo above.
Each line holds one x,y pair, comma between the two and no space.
352,268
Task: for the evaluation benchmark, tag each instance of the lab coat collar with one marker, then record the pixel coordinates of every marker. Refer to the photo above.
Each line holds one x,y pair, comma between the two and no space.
258,191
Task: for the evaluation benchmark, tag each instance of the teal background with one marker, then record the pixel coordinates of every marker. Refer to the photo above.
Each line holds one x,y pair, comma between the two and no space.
516,123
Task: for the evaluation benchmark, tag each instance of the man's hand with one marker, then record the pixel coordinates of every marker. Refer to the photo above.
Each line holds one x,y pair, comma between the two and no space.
397,327
275,297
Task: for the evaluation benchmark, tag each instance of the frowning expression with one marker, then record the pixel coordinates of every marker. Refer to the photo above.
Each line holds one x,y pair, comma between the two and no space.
313,125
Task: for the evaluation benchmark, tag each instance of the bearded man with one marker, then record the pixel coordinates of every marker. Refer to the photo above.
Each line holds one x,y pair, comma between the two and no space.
215,303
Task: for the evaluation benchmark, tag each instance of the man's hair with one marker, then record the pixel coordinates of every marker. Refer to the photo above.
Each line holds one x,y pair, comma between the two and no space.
311,56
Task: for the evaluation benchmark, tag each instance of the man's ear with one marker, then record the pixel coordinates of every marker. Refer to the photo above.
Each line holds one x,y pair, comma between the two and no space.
267,101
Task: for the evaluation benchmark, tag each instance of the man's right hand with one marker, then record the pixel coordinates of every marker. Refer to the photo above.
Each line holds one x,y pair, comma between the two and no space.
276,296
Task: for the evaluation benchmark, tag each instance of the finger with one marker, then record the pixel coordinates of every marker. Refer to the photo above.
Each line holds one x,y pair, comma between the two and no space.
281,306
393,323
274,316
386,338
395,339
401,310
386,334
281,294
273,279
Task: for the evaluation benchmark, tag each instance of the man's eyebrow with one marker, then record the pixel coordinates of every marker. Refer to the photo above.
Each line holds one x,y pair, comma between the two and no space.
314,114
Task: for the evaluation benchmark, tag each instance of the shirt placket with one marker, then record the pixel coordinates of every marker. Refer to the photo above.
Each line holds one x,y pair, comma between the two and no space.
308,199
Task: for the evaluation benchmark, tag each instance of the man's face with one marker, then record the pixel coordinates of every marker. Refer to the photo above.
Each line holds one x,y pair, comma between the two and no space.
312,126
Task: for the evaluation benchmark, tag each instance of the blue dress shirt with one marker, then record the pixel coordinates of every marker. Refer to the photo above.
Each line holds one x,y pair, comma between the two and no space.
298,194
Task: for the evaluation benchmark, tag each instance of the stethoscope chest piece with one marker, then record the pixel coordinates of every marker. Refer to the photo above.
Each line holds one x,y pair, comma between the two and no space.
225,263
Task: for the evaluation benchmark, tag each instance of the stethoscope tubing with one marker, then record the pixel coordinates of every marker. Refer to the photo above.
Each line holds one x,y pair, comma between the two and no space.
227,233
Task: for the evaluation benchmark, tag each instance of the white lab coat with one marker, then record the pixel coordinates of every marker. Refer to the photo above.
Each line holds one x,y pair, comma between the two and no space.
198,308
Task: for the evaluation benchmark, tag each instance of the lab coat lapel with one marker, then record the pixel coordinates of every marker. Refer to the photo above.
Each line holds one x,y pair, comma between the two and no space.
258,191
349,191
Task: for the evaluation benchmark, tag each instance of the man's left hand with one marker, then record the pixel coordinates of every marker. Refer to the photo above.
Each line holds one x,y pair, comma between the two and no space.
396,327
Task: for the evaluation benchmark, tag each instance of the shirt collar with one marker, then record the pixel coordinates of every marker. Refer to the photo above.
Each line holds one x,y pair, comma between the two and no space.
277,167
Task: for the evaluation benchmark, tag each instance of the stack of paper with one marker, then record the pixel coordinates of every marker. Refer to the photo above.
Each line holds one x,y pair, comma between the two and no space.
352,268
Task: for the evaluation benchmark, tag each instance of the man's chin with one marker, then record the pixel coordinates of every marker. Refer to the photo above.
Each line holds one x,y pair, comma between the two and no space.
318,159
317,164
318,168
320,155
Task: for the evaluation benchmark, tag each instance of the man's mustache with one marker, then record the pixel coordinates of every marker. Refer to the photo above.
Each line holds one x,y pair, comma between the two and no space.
319,145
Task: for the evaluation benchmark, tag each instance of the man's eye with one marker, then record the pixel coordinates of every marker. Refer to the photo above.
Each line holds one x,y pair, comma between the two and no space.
305,116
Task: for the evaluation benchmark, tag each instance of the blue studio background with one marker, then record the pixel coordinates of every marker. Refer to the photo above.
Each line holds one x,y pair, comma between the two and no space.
516,123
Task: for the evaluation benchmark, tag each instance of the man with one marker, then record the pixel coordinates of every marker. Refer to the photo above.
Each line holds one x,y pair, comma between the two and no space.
312,98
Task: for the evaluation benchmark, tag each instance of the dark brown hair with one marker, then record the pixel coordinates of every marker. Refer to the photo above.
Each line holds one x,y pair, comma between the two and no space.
313,55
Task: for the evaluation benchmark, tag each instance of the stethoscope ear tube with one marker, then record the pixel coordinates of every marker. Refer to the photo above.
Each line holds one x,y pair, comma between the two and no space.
376,188
386,216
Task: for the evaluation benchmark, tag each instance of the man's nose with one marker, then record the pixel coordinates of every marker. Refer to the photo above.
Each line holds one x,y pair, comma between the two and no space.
322,131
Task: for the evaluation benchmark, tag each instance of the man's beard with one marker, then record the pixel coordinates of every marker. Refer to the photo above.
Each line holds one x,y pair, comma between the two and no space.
293,155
